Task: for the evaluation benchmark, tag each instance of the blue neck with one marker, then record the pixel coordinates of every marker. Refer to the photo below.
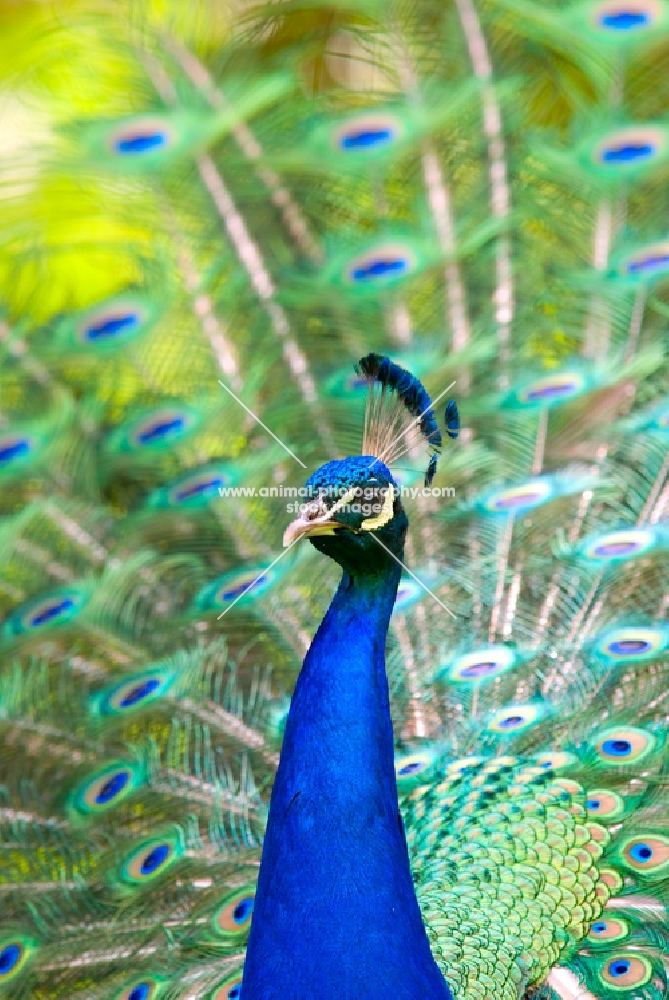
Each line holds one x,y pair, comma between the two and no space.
335,911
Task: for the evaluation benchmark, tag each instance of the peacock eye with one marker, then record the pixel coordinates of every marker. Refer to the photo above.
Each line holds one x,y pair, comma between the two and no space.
10,957
514,718
605,931
627,970
646,854
481,665
147,989
605,805
230,989
134,693
233,918
107,788
14,447
151,860
411,766
619,545
14,953
623,746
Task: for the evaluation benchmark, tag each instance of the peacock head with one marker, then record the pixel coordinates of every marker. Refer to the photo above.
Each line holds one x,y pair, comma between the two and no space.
353,514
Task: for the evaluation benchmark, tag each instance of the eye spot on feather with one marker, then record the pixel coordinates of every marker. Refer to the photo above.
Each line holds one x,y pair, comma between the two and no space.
629,148
106,789
231,989
367,132
633,643
385,265
140,692
11,956
113,325
514,719
605,805
201,486
627,970
163,427
552,389
142,137
233,918
410,767
523,497
646,854
134,693
56,609
619,545
644,264
481,665
606,930
626,17
13,447
623,746
51,610
150,861
147,989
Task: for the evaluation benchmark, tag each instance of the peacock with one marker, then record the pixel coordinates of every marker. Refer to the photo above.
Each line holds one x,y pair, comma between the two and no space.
334,509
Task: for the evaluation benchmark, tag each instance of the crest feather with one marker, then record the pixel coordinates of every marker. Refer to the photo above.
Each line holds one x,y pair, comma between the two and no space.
394,396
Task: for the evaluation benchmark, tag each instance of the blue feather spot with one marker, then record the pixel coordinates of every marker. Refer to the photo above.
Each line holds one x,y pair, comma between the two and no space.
642,853
140,692
236,992
519,501
112,787
366,138
624,20
160,429
106,329
157,857
51,612
13,450
203,488
629,152
652,263
610,549
10,956
619,967
243,910
133,144
140,992
617,748
413,768
630,646
599,927
380,268
556,391
229,595
593,805
478,670
511,721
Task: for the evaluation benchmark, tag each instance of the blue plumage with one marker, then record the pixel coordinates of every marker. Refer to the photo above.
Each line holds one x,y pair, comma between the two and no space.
335,876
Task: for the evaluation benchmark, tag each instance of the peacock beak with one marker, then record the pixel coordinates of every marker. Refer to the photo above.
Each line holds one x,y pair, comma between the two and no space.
303,527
